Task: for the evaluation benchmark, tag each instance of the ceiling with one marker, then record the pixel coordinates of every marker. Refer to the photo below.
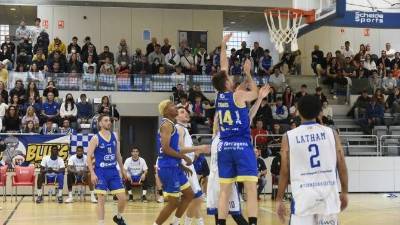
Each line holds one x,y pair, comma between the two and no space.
13,17
244,21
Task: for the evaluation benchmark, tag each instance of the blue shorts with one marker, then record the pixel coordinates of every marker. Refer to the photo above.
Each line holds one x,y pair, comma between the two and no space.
136,178
237,162
108,179
173,180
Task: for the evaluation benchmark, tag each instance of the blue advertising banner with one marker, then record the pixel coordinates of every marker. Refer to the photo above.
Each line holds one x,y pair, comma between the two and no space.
33,147
362,19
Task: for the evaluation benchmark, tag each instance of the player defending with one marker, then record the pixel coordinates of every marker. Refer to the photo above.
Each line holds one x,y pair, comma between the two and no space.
104,146
236,157
312,156
171,171
186,146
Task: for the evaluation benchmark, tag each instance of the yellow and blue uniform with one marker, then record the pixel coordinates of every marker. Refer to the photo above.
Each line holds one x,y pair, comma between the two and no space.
171,175
236,157
106,166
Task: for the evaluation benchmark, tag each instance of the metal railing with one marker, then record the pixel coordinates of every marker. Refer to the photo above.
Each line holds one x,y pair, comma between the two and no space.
105,82
389,145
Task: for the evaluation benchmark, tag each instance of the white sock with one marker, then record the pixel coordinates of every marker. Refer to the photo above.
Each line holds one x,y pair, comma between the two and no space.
70,194
130,192
119,215
175,220
188,221
59,193
200,221
92,193
101,222
144,192
39,192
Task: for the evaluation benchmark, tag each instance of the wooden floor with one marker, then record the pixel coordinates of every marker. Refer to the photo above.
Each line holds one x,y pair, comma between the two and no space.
364,209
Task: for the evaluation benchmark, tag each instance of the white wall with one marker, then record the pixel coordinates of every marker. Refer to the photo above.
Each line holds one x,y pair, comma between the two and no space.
107,25
331,39
263,38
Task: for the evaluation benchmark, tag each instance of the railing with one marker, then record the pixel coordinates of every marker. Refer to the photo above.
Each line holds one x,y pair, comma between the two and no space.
389,145
104,82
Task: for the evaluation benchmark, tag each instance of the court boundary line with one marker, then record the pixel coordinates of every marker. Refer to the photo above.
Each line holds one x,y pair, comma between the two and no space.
13,211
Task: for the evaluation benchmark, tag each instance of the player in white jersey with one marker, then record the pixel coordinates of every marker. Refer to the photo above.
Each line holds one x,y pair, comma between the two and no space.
312,156
186,145
213,179
78,172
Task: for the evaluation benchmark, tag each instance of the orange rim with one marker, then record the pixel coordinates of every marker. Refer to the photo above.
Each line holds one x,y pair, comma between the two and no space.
309,15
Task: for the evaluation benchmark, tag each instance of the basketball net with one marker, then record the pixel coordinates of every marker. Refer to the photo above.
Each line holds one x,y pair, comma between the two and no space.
281,35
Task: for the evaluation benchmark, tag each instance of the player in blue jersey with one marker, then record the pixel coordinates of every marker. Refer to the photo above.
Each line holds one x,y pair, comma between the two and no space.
236,157
170,169
104,146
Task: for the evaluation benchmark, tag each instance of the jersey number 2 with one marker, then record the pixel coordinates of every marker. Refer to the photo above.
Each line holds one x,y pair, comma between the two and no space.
314,161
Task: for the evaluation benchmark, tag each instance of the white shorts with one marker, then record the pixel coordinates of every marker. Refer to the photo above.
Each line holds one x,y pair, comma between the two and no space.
194,183
314,220
213,196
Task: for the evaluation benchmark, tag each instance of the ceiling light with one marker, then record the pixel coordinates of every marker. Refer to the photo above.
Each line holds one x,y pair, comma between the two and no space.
13,9
233,22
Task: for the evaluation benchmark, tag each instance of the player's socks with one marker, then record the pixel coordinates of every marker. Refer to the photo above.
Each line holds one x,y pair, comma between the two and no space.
39,192
252,220
216,218
221,222
70,194
130,192
119,216
188,221
239,219
59,194
101,222
200,221
144,192
175,220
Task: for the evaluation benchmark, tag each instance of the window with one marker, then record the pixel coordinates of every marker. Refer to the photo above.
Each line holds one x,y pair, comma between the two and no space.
4,31
236,40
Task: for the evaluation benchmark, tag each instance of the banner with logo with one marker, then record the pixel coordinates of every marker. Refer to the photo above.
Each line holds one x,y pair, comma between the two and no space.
377,19
33,147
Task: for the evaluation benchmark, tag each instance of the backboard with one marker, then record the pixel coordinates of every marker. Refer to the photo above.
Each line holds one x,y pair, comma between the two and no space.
323,8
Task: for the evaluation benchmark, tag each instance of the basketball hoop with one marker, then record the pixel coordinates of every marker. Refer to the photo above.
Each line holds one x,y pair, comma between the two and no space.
284,35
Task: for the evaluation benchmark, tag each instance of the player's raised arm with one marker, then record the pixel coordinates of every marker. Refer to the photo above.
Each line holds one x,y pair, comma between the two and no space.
184,149
283,179
224,58
342,170
262,93
90,152
250,92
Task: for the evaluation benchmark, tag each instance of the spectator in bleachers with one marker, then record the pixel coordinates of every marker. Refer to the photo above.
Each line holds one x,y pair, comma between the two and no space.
156,59
66,127
380,97
123,58
23,59
259,130
280,112
288,98
3,108
106,108
184,103
33,68
375,80
123,70
277,80
348,67
35,104
3,92
91,51
48,128
57,46
43,42
339,59
3,73
265,114
236,68
50,88
165,49
396,71
396,59
106,54
56,58
22,32
6,54
107,68
151,46
277,131
331,74
301,93
30,128
30,116
393,101
123,46
389,82
390,52
142,67
182,46
32,91
10,45
137,56
256,53
178,92
188,63
68,109
243,51
11,122
216,57
320,95
262,172
369,64
18,90
198,111
196,91
14,101
384,60
39,59
172,59
271,97
374,116
297,61
359,108
317,58
74,47
35,31
85,49
85,110
327,112
178,76
50,109
200,59
89,63
347,51
74,64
